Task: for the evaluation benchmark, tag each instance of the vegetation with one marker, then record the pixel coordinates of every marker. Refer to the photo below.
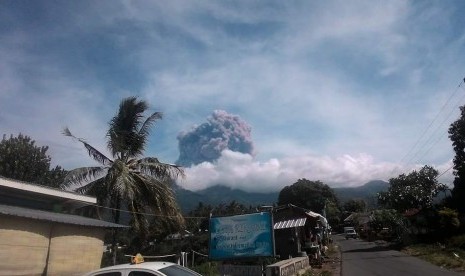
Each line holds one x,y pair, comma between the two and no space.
457,136
354,205
312,195
414,190
22,159
128,180
438,254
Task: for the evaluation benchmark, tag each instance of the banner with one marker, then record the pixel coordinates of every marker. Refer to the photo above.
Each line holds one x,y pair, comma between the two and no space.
241,236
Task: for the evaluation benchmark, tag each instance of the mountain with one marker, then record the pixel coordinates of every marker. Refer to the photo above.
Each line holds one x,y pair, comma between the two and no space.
218,194
221,194
366,192
187,200
215,195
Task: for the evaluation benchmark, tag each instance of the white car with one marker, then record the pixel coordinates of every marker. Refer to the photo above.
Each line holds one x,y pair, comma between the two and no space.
144,269
351,234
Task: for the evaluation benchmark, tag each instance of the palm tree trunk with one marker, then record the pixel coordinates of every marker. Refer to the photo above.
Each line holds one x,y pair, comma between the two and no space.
116,217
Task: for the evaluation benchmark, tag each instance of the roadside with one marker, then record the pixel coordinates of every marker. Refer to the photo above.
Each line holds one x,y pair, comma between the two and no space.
331,265
438,254
450,258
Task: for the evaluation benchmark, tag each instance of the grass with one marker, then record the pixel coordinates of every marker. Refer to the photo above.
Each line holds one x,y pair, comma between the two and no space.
448,257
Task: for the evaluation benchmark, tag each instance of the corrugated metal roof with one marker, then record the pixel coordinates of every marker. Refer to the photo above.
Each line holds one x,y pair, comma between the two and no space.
36,190
55,217
290,223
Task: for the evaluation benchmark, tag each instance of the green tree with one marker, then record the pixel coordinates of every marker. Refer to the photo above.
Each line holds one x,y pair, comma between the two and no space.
333,213
354,206
390,219
414,190
312,195
457,136
449,221
128,180
22,159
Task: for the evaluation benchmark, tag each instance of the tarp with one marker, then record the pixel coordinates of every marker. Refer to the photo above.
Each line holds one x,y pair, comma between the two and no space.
312,214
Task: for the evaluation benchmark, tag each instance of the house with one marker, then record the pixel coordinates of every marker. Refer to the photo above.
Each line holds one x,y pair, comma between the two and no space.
42,233
293,228
360,220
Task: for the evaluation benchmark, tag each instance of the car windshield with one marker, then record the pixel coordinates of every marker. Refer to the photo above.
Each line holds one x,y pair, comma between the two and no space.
351,231
176,270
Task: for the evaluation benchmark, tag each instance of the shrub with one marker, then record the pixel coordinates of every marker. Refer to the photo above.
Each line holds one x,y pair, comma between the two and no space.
457,241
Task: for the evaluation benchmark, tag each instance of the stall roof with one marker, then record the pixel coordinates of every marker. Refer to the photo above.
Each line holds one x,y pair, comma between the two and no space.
290,223
312,214
56,217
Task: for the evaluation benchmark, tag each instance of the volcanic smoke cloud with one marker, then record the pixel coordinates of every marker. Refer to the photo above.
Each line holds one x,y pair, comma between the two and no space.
204,143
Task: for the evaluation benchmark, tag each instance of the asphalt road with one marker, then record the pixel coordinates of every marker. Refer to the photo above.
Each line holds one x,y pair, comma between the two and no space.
360,258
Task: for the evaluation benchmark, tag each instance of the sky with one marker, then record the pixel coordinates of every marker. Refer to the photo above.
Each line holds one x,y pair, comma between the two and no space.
337,91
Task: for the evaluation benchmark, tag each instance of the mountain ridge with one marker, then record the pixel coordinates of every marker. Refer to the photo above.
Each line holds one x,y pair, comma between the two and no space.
221,194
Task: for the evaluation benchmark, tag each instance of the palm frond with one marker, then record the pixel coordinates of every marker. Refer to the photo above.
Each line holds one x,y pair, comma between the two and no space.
124,127
81,175
95,188
144,129
120,181
158,198
143,133
93,152
139,222
153,167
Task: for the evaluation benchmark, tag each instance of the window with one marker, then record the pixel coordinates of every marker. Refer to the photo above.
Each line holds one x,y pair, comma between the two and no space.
176,270
141,273
111,273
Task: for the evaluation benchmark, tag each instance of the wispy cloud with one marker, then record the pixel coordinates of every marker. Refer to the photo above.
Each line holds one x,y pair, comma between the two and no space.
343,88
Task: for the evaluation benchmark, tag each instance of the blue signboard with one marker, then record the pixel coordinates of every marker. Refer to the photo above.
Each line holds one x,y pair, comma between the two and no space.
241,236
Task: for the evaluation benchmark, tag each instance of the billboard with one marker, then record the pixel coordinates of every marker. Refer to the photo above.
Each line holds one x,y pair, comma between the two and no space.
241,236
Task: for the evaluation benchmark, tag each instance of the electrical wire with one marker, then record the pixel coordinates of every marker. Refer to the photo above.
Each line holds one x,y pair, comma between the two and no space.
140,213
432,122
434,133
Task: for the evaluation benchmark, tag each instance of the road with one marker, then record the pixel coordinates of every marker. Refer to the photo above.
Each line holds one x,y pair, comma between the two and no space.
362,258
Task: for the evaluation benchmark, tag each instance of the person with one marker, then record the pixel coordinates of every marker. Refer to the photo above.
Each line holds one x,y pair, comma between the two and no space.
324,249
315,249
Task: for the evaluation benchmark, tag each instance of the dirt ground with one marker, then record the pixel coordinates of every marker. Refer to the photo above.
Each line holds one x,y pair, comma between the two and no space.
331,265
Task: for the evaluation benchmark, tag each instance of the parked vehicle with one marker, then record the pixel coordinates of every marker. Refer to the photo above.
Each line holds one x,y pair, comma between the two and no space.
350,233
145,269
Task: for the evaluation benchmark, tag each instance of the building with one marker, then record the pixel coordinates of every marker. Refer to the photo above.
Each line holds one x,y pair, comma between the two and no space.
43,233
293,228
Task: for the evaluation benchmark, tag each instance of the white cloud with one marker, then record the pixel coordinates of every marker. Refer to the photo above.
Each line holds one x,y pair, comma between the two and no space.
241,171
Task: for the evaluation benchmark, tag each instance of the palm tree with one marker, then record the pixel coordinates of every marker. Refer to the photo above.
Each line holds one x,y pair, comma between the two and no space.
139,183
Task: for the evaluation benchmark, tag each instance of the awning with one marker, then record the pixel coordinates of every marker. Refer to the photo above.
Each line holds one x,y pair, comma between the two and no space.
323,221
290,223
312,214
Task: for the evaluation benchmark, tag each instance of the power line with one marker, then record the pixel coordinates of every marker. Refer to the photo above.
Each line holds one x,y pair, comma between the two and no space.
420,146
432,122
431,137
141,213
439,127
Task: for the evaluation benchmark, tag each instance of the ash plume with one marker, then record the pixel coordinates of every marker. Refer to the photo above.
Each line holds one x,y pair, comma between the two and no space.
204,143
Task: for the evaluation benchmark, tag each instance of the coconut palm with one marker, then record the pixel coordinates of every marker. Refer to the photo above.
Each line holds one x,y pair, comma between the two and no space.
127,180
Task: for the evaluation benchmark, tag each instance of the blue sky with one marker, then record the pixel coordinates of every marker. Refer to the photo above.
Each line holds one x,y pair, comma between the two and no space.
335,91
